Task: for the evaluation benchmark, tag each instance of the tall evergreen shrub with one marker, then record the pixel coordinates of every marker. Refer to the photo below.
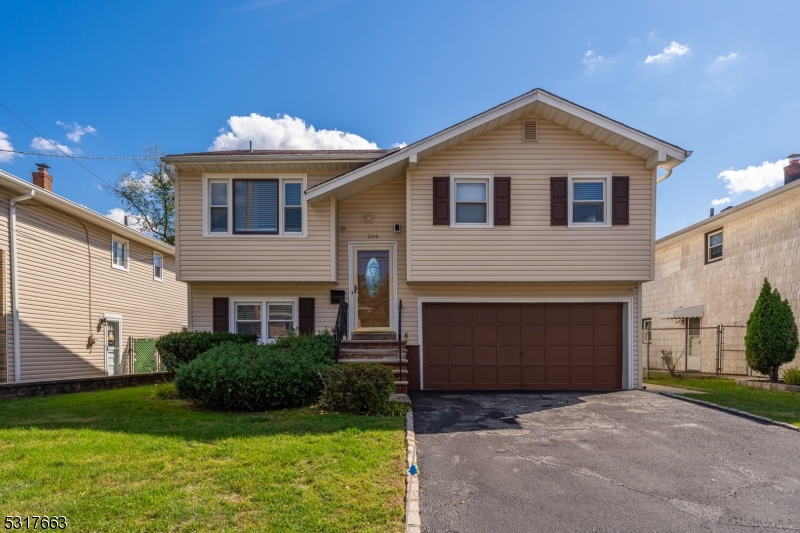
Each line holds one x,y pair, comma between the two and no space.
771,338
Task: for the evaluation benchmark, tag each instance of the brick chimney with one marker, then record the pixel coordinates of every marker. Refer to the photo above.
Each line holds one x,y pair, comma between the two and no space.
791,172
43,179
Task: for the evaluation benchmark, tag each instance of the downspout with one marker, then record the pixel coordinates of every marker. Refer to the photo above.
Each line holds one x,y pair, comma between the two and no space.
12,237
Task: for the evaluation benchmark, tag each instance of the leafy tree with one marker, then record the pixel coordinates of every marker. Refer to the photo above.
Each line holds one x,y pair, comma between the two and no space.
771,338
148,193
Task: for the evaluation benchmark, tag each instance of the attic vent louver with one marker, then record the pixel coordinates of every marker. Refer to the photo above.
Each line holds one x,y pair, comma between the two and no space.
530,130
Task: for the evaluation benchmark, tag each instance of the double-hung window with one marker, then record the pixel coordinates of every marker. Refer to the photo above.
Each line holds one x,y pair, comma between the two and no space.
119,253
471,200
266,319
158,266
588,200
714,246
255,206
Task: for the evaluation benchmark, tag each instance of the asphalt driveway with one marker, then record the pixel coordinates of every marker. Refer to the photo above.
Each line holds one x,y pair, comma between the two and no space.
619,462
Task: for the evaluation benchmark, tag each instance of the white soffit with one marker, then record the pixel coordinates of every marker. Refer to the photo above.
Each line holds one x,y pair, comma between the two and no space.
653,151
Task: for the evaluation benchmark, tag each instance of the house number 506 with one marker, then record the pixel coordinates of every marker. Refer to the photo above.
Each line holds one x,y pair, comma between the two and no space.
373,236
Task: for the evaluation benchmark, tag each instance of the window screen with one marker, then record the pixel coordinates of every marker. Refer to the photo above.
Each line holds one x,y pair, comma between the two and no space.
255,206
293,211
588,202
219,207
248,319
715,246
471,205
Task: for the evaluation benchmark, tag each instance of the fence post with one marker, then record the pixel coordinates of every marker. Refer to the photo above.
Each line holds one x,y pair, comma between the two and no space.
719,349
648,353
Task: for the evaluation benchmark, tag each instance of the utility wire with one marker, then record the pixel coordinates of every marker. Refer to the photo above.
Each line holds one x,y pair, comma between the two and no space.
71,156
55,145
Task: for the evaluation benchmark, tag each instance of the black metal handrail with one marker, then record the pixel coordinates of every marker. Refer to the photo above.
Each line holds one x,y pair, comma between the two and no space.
340,329
400,338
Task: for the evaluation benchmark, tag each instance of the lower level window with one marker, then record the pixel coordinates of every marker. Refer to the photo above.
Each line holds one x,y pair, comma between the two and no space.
267,319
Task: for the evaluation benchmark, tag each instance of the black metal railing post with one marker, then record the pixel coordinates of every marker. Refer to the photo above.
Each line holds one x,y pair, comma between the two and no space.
400,338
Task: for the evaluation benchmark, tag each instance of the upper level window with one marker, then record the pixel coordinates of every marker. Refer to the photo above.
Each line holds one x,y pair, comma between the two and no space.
471,200
714,246
158,266
247,206
119,253
588,200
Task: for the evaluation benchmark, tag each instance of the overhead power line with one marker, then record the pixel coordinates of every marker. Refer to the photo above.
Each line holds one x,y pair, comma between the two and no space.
55,145
71,156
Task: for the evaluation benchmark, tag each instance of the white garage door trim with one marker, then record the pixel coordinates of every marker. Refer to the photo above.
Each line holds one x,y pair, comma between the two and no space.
627,325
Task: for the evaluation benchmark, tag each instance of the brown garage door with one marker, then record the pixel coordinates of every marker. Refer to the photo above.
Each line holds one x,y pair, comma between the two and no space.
522,346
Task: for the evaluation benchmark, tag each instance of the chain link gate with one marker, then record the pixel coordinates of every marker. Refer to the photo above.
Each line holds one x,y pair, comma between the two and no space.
717,350
141,357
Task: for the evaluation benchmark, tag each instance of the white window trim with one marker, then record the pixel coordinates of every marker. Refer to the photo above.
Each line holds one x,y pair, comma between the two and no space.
127,259
605,177
281,177
158,254
264,302
708,246
461,178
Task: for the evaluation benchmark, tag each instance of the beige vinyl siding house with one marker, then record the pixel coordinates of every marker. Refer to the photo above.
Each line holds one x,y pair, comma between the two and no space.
718,284
67,284
526,301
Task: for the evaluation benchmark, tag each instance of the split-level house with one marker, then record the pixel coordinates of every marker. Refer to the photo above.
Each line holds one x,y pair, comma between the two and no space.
78,289
709,275
506,251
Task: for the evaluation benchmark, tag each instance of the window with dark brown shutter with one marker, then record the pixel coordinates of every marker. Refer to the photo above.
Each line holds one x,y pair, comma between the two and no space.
441,201
306,315
502,201
558,201
620,201
221,322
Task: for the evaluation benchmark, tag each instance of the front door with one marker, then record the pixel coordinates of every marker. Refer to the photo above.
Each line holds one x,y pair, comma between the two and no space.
373,290
112,344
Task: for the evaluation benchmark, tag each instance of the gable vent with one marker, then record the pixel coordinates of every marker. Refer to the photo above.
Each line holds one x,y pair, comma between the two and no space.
530,130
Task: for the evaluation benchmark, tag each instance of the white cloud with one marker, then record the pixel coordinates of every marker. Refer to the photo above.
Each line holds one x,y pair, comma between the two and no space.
75,131
729,57
117,214
5,144
720,201
45,145
284,133
592,61
673,50
754,178
399,145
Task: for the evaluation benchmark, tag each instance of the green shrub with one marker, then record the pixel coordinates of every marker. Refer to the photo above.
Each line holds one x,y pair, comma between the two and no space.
179,348
771,338
357,388
165,391
256,377
791,376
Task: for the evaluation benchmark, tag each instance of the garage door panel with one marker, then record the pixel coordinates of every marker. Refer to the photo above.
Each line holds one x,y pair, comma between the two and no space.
522,346
461,355
485,335
581,334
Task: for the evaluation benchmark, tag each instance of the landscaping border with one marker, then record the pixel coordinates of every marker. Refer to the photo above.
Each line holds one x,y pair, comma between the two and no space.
768,385
731,410
10,391
413,524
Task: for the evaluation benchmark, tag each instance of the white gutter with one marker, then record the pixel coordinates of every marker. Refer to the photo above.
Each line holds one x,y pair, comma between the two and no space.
12,236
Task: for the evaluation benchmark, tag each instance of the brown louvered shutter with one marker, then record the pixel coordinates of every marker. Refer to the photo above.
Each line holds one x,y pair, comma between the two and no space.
307,315
502,201
620,200
558,201
221,314
441,201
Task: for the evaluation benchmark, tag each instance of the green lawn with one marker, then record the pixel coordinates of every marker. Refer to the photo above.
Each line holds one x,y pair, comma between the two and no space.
777,405
122,461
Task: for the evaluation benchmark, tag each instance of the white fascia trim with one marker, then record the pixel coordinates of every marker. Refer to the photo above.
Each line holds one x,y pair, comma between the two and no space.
487,116
627,326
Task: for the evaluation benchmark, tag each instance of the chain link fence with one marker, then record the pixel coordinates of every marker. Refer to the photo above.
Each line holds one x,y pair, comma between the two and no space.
141,357
684,350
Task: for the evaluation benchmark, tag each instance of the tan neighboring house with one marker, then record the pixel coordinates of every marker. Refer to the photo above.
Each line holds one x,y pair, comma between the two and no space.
77,287
517,242
710,273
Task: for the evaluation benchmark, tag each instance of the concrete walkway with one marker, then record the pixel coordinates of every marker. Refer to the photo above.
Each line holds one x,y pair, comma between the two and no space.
653,387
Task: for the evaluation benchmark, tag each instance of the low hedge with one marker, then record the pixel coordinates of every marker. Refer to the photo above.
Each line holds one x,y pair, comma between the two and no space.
178,348
357,388
256,377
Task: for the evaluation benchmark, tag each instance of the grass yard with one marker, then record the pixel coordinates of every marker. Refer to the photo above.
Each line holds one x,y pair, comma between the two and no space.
123,461
777,405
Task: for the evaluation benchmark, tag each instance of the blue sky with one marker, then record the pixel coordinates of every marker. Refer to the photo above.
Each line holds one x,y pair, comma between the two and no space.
721,79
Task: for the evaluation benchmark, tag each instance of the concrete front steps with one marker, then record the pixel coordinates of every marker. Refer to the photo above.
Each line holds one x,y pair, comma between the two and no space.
380,348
